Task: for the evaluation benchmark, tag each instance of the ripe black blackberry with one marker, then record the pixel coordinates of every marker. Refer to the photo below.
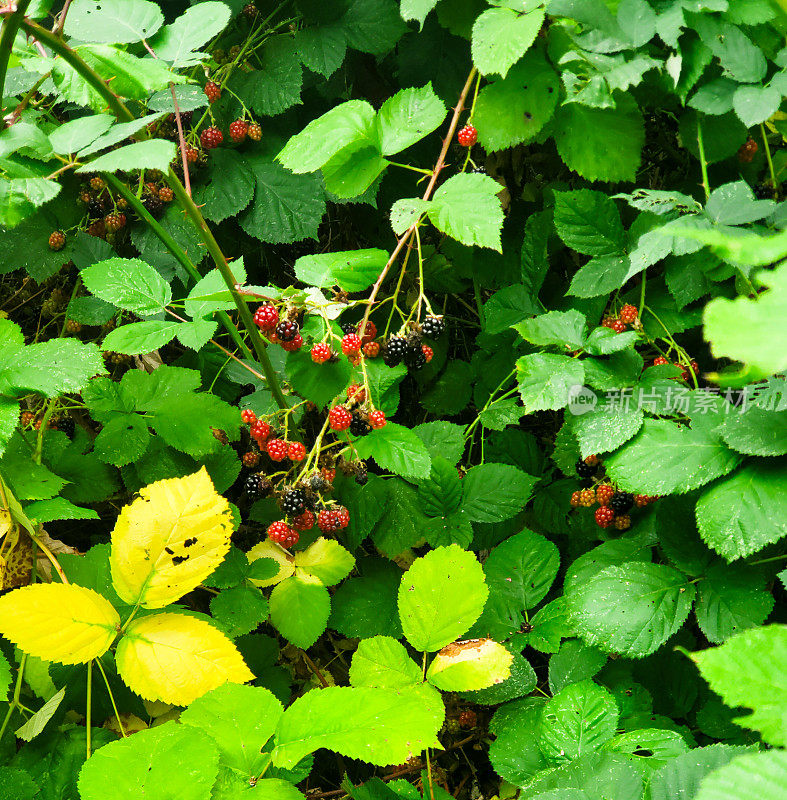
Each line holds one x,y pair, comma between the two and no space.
257,485
414,357
287,330
433,327
153,205
95,208
585,470
764,191
348,327
361,475
359,426
293,502
317,482
621,502
394,351
67,426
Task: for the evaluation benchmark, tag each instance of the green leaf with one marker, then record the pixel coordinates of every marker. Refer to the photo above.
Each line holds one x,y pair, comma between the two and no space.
319,383
38,721
383,663
286,208
151,762
612,553
451,392
739,56
637,20
545,380
470,666
441,494
113,21
402,524
603,341
240,720
197,305
151,154
501,36
755,104
322,49
758,432
352,171
57,508
515,753
763,773
759,655
397,449
521,682
141,337
665,458
731,599
240,609
407,117
74,135
326,560
466,207
194,28
441,439
130,284
578,720
574,662
366,606
603,430
353,270
230,188
744,512
51,368
277,85
654,745
682,775
300,607
631,609
416,9
373,26
379,726
589,222
501,414
440,597
325,136
761,345
561,328
512,110
5,678
19,198
495,492
582,135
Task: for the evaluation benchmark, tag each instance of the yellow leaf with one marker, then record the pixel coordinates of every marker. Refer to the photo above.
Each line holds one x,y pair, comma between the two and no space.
59,622
268,549
175,658
169,540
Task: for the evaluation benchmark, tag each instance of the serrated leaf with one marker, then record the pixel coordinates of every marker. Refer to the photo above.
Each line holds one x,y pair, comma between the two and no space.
665,458
442,439
574,662
322,49
239,609
113,21
73,136
495,492
270,551
601,430
326,560
466,207
57,508
589,222
578,720
515,753
440,597
383,663
140,337
167,540
545,380
177,658
599,276
469,666
754,774
441,494
276,86
561,328
38,721
230,188
512,110
353,271
761,656
240,720
366,606
583,133
501,36
150,154
379,726
130,284
175,42
758,432
631,609
300,607
396,448
150,763
407,117
59,622
684,773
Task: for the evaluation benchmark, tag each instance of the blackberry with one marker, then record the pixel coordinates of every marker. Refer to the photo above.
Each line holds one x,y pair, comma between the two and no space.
764,191
394,351
621,502
414,357
153,205
433,327
585,470
95,208
293,502
257,485
361,475
348,327
318,482
286,330
359,426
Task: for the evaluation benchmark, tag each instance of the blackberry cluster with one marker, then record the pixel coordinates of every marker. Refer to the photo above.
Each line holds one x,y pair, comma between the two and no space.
293,502
257,485
286,330
359,426
585,470
621,502
433,327
395,350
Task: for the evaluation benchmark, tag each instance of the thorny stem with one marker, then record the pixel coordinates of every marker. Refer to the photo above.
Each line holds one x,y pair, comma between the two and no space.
61,20
112,699
768,156
408,234
10,28
315,670
89,706
703,162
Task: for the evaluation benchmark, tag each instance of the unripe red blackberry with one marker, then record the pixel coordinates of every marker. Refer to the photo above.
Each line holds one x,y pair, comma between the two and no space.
629,314
296,451
212,91
328,521
114,221
165,194
97,183
281,533
254,132
351,343
277,449
295,344
356,393
238,130
377,419
468,719
587,498
604,516
371,349
467,136
248,416
321,353
210,138
266,317
604,493
622,522
57,240
304,521
250,459
260,430
575,500
428,352
339,418
192,154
